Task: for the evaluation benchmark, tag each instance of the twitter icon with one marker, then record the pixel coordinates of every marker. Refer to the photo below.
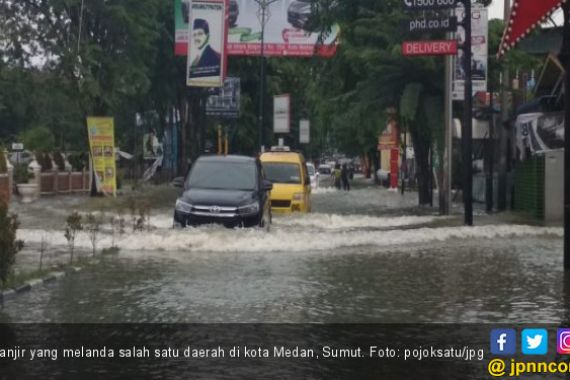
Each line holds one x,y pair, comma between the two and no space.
534,341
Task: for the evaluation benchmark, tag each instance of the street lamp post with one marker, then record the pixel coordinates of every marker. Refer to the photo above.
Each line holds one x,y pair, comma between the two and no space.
263,5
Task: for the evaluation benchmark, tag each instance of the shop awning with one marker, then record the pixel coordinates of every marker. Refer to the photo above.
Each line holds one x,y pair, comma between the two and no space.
525,16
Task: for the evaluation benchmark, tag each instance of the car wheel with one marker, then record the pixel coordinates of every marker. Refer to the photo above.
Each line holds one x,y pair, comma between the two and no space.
265,219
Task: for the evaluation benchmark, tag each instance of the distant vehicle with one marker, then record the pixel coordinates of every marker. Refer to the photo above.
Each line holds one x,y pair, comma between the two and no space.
298,13
232,17
228,190
325,170
291,183
313,175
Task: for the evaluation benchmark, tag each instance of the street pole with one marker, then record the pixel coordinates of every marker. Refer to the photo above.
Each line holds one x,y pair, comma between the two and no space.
566,62
262,78
467,133
502,190
490,151
447,153
263,4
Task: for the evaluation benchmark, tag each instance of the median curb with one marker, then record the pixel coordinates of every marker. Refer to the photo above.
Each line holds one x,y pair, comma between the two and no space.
31,284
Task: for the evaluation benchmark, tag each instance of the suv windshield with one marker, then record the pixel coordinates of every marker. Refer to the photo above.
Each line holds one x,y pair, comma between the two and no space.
222,176
311,169
282,173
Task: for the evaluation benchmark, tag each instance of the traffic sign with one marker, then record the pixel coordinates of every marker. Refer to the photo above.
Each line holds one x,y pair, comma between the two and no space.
441,47
421,5
419,24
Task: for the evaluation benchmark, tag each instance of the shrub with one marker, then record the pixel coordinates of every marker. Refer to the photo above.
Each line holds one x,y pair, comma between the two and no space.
44,160
72,226
9,245
59,161
78,161
21,174
3,164
93,225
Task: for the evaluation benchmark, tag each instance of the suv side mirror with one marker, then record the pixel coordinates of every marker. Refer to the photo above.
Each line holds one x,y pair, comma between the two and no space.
178,182
267,185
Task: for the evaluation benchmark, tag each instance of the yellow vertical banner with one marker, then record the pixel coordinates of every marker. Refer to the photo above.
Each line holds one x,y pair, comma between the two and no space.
101,132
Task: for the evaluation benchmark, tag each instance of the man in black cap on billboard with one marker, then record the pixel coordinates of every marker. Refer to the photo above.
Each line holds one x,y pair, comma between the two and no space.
207,60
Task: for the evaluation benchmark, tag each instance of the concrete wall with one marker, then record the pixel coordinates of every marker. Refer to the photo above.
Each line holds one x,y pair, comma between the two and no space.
554,186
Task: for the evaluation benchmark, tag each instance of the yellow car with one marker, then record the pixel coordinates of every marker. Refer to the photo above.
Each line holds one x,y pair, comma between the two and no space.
291,182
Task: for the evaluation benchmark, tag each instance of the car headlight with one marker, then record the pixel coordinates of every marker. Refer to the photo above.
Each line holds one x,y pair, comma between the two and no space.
298,196
183,206
249,209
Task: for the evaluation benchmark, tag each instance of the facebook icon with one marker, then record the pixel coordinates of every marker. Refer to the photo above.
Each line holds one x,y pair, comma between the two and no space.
503,341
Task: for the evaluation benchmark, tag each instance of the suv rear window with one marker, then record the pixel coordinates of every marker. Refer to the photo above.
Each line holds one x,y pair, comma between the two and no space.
278,172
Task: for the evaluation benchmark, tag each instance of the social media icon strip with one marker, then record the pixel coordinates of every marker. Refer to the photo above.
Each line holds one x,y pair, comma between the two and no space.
534,341
563,341
504,341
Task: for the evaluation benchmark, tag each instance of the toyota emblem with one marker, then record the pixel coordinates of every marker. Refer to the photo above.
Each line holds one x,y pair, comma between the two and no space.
215,210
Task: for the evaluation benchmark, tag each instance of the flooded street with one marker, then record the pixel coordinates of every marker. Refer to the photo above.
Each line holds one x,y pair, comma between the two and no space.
363,256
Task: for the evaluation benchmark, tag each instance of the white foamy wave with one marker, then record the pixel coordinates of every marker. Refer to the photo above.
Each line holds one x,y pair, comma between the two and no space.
324,190
335,221
219,239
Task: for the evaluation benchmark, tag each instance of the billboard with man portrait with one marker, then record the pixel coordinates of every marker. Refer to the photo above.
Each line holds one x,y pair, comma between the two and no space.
207,43
288,29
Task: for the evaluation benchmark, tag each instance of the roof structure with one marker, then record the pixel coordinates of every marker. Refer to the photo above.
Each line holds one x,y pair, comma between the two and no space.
525,16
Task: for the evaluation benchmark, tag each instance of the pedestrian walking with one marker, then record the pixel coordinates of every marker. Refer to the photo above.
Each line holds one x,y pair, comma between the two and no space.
344,178
336,175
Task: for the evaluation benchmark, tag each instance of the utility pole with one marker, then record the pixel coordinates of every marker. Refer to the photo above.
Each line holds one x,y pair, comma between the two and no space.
263,8
502,190
565,57
447,153
490,150
467,130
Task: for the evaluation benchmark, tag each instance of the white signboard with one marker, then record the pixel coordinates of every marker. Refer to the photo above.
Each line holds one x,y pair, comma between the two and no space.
479,51
304,132
17,147
206,65
281,114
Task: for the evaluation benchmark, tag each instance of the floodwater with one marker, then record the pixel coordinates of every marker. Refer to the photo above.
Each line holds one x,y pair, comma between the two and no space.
365,256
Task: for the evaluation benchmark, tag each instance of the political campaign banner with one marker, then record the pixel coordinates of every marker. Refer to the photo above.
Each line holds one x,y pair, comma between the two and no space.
287,29
479,50
206,64
225,101
538,132
101,131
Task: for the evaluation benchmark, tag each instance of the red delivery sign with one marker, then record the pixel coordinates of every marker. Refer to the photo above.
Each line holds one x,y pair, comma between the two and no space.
442,47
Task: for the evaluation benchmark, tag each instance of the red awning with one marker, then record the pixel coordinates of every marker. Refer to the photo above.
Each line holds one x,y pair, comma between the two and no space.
525,16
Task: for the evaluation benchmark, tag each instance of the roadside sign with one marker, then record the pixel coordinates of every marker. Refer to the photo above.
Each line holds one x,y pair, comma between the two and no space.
421,5
420,24
304,132
225,101
17,147
438,47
